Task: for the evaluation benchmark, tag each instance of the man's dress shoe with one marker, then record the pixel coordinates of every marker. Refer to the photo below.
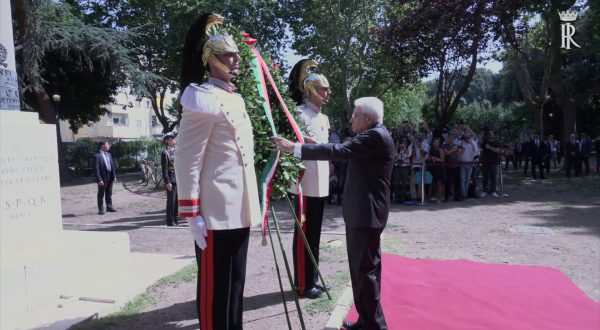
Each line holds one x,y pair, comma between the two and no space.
101,212
352,325
110,209
320,286
312,293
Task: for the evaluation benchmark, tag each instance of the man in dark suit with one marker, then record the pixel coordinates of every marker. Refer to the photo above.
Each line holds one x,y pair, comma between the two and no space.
572,155
371,155
104,169
518,153
585,147
527,153
167,162
538,153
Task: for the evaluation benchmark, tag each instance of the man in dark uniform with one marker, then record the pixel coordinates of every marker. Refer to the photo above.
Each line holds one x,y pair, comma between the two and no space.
370,154
104,170
167,162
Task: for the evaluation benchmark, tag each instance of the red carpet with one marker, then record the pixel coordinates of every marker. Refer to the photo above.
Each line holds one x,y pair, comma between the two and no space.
424,294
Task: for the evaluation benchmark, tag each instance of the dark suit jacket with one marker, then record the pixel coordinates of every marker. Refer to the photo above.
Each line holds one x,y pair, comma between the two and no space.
101,171
168,168
371,157
586,147
572,147
538,153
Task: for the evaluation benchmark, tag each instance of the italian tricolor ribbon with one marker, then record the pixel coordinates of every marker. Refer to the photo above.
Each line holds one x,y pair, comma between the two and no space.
260,71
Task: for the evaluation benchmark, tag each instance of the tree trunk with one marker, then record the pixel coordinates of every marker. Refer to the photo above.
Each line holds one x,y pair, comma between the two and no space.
538,118
48,114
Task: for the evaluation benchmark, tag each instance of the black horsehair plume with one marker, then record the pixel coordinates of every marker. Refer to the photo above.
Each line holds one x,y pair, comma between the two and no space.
297,75
192,68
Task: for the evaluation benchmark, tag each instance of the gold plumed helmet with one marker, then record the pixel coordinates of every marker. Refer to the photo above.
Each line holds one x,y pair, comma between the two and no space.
304,81
217,44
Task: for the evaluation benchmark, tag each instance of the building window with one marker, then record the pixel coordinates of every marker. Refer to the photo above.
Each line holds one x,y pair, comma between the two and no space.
154,121
120,120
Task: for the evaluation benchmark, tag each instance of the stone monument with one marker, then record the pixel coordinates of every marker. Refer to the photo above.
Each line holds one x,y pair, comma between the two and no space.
39,261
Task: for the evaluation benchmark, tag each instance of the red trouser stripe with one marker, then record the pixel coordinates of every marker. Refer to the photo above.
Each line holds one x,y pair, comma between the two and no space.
211,278
301,267
207,284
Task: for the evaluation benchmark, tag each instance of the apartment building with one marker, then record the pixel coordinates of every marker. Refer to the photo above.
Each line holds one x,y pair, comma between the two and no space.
128,118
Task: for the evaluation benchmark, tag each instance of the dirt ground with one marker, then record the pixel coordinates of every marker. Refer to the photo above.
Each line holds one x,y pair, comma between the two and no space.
483,229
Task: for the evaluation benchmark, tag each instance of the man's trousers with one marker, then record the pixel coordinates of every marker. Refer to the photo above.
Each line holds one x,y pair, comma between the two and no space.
364,260
172,208
105,193
305,274
221,278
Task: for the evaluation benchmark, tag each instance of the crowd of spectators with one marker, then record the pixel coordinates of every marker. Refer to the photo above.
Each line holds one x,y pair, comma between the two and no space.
459,163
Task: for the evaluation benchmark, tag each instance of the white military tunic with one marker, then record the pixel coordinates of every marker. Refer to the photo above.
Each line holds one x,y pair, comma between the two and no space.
315,182
215,159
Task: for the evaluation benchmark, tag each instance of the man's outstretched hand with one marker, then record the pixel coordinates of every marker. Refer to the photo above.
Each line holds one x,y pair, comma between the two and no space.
283,144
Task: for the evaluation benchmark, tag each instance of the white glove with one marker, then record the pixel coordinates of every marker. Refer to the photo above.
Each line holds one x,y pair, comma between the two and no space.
198,229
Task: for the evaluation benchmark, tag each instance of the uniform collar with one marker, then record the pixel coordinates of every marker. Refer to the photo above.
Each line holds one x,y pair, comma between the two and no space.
312,106
226,86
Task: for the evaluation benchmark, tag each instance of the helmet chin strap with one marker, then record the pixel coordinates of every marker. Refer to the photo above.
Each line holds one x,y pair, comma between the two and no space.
220,66
312,90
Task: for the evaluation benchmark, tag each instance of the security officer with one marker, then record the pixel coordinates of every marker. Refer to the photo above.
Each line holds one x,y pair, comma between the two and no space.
217,186
311,92
167,162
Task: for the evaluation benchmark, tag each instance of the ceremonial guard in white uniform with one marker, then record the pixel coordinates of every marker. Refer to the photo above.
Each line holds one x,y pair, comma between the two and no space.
311,92
215,173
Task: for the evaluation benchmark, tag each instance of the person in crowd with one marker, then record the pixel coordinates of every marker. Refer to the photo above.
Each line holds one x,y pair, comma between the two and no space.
371,155
585,147
552,147
468,149
537,152
436,166
335,190
527,153
402,170
167,162
518,153
311,92
509,156
105,173
572,159
216,180
334,136
451,151
490,159
419,152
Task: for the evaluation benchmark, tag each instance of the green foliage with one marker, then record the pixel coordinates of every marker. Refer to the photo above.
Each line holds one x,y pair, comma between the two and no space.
79,155
289,167
338,35
404,104
161,26
61,54
127,154
508,123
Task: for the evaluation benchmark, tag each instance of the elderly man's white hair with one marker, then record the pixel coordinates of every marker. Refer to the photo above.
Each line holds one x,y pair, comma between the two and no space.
371,106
